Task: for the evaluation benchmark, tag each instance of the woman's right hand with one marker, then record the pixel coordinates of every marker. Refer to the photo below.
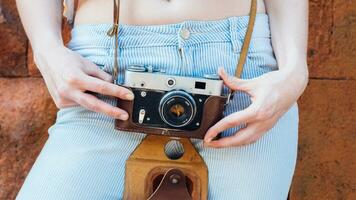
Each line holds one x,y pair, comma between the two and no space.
68,76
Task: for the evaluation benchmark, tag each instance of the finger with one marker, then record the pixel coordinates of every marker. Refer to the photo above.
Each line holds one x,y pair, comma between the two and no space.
93,70
65,103
245,136
102,87
232,120
92,103
234,83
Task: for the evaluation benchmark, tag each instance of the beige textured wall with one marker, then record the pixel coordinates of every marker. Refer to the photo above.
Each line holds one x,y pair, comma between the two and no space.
326,164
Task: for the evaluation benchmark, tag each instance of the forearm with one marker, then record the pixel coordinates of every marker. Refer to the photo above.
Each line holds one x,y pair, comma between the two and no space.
42,22
289,35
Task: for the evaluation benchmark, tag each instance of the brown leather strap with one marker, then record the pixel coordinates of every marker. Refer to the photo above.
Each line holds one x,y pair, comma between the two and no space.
76,3
72,13
116,9
245,46
114,31
244,51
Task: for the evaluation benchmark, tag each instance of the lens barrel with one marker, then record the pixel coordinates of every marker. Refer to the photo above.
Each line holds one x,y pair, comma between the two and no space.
177,108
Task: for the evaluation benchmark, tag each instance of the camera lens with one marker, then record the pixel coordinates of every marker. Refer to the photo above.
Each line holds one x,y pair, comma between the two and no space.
177,108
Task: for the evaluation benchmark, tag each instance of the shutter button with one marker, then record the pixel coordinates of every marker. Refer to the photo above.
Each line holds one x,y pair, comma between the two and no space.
184,33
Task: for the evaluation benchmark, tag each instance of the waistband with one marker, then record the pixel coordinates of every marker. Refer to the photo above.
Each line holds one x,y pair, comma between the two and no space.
186,33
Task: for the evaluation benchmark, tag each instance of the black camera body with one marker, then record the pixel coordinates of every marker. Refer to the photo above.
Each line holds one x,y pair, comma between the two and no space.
162,109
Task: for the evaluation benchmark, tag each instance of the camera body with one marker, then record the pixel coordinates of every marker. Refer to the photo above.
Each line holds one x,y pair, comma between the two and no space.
171,105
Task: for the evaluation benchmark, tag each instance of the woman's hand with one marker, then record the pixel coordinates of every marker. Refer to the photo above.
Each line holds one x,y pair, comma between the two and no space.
272,94
68,76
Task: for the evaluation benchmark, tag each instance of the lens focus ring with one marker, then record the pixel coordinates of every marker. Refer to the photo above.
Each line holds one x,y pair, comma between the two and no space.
177,108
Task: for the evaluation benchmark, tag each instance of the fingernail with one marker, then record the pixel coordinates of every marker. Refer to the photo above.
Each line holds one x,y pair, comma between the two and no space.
123,117
204,144
129,96
219,71
223,73
207,140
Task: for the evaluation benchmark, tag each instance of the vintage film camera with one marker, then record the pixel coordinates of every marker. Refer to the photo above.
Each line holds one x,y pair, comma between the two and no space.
171,105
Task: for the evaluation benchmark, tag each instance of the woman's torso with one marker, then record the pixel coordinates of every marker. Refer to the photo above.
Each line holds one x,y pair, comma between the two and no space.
148,12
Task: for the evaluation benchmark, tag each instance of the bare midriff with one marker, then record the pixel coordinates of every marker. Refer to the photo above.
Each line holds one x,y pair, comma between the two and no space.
155,12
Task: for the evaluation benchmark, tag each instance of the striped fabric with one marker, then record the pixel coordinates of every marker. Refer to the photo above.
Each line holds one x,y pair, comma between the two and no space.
84,157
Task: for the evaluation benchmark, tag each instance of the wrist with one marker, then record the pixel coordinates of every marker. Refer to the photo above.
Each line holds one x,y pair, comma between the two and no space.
43,49
295,78
46,55
46,43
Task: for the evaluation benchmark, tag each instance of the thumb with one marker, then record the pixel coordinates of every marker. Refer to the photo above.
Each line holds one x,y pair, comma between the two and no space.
94,70
234,83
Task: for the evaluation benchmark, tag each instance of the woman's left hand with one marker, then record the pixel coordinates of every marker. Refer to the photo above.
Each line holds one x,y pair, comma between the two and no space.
272,94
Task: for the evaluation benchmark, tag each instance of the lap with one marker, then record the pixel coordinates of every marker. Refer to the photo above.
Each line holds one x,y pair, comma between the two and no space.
84,158
80,160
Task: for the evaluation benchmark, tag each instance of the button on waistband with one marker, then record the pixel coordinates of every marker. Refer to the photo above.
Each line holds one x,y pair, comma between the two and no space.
185,33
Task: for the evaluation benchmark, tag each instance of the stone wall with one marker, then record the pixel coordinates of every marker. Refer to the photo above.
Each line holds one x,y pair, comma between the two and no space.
326,164
326,167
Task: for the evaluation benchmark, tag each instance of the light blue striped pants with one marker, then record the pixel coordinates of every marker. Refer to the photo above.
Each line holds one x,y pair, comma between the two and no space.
84,157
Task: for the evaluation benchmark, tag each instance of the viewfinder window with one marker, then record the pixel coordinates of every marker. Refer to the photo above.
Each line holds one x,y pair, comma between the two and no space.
200,85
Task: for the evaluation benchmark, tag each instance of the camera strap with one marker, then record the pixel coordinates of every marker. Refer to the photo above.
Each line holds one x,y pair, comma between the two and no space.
244,50
114,31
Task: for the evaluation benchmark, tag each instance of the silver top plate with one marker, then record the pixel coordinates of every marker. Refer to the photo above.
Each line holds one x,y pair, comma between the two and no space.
164,82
